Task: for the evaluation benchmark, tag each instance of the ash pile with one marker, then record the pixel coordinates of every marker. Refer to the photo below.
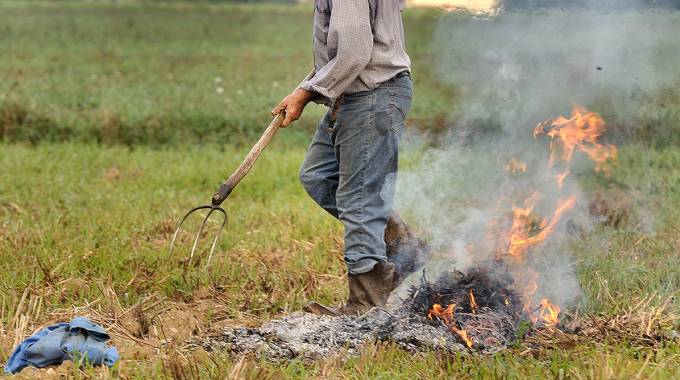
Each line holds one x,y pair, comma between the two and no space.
456,312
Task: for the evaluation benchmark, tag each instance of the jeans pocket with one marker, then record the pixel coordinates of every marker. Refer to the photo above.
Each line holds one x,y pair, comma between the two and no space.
400,104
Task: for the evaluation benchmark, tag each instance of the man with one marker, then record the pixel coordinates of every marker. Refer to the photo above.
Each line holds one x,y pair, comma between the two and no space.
362,72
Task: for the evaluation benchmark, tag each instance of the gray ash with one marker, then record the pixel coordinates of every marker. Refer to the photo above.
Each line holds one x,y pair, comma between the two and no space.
492,325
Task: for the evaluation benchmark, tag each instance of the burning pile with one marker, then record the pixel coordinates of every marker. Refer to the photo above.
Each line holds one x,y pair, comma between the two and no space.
480,310
524,229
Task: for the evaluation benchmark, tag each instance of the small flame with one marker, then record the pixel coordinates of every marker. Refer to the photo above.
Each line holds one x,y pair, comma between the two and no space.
579,132
473,303
463,335
520,234
446,316
549,313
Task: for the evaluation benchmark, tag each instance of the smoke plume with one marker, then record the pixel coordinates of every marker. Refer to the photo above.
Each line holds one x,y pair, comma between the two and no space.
512,72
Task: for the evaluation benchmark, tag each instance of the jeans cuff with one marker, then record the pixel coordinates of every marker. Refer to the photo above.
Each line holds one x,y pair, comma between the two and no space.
362,266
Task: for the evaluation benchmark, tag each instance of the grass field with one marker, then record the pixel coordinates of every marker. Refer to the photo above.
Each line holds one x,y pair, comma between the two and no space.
161,74
116,119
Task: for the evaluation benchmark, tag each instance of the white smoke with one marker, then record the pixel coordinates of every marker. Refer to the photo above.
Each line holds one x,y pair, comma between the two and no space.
512,72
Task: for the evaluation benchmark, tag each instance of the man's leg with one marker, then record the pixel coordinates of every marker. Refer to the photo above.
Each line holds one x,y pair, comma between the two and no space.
367,154
319,171
319,176
367,134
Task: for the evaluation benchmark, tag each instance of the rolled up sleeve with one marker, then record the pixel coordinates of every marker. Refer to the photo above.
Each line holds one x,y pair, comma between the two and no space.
350,31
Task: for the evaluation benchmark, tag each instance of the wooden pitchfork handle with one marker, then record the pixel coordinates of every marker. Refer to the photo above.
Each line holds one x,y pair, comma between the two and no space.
226,188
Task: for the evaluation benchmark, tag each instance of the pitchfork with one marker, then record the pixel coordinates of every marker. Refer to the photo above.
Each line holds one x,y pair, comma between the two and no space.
227,187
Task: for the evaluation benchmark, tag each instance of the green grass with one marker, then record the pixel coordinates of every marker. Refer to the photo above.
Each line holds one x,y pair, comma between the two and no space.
102,109
99,218
164,74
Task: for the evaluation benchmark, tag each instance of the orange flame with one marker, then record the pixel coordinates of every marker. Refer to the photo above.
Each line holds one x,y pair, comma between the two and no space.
446,316
580,132
463,335
520,238
549,313
473,303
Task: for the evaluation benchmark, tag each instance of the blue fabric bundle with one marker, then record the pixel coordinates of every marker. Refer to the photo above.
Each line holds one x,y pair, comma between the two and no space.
79,340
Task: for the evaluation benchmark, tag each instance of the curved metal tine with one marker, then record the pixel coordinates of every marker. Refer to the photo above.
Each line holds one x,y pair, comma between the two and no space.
217,236
179,226
200,231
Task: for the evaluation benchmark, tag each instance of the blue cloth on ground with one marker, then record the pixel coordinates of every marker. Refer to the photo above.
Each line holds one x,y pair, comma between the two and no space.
79,340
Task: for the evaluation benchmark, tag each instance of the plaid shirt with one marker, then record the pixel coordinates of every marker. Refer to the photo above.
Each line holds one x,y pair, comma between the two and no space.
358,44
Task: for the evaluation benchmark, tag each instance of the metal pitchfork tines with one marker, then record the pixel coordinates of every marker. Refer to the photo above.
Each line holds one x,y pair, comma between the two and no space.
226,188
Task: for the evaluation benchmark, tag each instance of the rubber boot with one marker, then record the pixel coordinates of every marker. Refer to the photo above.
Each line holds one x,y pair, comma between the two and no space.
366,291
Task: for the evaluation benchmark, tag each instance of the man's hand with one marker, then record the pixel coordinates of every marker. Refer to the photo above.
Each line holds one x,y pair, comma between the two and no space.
293,105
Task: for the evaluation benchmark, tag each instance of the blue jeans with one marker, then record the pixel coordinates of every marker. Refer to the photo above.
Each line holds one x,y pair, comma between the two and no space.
350,168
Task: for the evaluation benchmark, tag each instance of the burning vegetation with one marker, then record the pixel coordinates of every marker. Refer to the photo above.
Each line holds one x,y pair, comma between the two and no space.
481,311
522,231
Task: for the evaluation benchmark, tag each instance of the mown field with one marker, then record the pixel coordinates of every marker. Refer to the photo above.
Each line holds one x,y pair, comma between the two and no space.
159,75
115,119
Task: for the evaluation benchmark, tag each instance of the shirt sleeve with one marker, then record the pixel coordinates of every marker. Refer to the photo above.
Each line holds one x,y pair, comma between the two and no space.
350,30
